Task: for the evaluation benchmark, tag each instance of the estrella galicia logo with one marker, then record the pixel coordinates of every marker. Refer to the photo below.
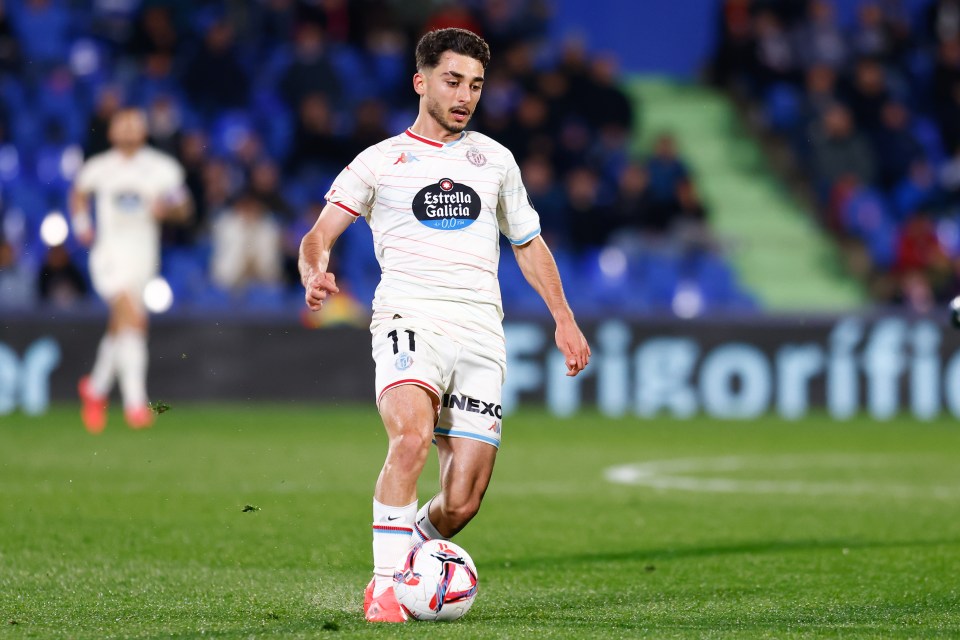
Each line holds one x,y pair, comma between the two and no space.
127,201
446,205
403,362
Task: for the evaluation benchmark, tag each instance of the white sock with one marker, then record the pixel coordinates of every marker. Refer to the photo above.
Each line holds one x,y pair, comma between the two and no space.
132,361
392,532
423,528
104,367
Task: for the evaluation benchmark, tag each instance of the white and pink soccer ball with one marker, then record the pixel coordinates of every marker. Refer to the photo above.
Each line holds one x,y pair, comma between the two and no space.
436,581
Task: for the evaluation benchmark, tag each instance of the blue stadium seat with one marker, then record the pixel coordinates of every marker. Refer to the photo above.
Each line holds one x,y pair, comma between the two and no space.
661,276
264,297
782,107
716,280
863,212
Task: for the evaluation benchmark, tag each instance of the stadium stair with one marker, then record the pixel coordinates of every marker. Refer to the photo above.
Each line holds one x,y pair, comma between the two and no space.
774,245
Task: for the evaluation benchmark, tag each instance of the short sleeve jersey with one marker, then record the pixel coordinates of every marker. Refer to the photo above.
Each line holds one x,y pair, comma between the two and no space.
125,190
436,212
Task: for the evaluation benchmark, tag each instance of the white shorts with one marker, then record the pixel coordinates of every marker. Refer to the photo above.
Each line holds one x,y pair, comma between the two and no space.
116,270
468,384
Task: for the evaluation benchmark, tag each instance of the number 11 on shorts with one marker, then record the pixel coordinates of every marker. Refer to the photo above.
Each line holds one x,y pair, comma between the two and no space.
393,335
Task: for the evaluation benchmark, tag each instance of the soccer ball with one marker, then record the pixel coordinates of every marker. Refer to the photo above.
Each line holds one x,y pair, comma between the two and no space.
436,581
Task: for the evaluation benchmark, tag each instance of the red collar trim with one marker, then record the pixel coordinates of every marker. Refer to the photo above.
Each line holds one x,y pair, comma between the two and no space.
432,143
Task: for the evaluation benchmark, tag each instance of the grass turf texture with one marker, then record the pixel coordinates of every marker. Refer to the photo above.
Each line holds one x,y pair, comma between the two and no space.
253,521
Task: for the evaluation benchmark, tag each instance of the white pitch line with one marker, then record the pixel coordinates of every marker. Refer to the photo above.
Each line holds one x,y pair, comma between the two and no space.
675,474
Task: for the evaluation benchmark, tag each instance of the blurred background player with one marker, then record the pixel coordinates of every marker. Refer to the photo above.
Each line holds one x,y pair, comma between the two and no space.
133,188
437,198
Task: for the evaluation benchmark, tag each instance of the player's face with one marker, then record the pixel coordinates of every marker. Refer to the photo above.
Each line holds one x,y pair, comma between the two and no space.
128,130
451,90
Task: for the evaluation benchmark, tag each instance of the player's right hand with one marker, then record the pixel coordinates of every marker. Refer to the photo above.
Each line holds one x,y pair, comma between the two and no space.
319,287
85,239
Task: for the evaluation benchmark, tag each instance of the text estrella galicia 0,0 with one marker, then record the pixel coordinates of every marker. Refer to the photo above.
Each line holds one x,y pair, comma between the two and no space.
446,205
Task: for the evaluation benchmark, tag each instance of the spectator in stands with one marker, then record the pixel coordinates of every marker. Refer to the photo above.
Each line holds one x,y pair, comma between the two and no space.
220,182
529,130
636,215
9,44
877,35
369,127
820,40
60,284
868,94
154,32
946,70
691,228
265,186
820,95
894,145
193,156
453,14
246,243
214,79
108,102
838,149
921,264
611,109
943,20
271,24
775,58
547,197
164,121
734,56
316,147
666,171
591,219
311,71
16,281
919,190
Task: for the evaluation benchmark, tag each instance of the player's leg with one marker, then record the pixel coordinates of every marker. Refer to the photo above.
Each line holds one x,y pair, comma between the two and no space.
132,357
94,388
466,466
409,413
468,437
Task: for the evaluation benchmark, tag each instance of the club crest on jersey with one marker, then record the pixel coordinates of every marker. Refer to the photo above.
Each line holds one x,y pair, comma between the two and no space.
476,158
446,205
403,362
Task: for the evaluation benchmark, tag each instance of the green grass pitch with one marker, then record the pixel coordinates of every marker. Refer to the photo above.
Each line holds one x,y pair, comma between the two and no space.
248,521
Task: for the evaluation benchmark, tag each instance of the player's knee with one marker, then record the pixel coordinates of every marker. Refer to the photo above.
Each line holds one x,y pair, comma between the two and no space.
459,513
410,446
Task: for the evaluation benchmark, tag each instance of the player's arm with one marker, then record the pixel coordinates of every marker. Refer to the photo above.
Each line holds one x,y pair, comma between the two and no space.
176,206
539,268
315,254
79,203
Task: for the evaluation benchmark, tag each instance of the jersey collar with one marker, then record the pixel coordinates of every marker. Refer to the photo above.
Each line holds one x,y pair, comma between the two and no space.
435,143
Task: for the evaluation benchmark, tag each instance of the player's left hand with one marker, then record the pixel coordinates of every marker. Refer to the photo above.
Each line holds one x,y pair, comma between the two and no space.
573,346
318,287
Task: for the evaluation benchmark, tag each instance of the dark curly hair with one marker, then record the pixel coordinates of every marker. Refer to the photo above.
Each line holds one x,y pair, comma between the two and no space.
433,44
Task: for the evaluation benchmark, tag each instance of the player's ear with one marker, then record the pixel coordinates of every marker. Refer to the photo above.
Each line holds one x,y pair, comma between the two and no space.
419,83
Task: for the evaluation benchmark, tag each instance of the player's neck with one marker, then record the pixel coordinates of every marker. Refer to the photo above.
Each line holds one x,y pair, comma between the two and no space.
426,127
128,151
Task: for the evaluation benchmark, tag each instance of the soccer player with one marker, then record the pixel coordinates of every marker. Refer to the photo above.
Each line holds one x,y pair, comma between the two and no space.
134,188
436,198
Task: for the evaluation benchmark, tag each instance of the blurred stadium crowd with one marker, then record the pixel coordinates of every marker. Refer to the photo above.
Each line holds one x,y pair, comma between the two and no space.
264,102
871,115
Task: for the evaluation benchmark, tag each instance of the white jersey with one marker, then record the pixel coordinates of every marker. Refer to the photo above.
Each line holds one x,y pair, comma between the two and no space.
436,211
125,190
